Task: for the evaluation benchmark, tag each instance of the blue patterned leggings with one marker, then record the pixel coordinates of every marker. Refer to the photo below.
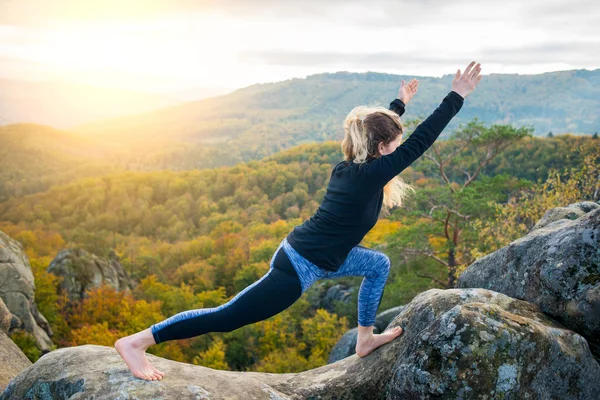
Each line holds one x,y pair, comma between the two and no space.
289,276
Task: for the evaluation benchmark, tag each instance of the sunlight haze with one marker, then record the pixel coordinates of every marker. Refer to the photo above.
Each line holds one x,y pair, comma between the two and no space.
174,47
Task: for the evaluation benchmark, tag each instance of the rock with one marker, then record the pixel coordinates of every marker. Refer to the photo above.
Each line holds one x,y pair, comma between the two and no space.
475,343
339,292
556,266
17,290
383,319
571,212
12,359
321,297
5,317
85,271
457,343
346,346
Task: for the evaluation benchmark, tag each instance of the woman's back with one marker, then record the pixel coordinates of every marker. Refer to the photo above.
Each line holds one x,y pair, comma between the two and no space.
354,196
349,210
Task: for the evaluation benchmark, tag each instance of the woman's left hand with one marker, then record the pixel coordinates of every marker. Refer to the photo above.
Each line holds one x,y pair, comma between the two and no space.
407,91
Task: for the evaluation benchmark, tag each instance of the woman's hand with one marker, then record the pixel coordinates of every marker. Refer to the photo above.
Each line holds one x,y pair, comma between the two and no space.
406,92
465,83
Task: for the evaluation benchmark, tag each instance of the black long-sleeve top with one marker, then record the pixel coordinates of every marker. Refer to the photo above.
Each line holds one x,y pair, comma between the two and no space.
354,195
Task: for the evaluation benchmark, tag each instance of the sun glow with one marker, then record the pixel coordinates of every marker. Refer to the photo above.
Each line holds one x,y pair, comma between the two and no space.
117,53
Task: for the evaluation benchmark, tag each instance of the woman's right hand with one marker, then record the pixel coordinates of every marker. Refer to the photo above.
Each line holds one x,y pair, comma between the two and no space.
465,83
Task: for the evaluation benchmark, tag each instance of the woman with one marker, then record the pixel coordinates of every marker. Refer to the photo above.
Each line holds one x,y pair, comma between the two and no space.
326,245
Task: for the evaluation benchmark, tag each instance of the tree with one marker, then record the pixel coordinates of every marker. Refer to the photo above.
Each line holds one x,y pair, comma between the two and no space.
214,357
441,213
518,216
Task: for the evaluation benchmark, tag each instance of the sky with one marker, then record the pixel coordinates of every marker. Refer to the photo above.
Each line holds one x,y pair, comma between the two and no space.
178,45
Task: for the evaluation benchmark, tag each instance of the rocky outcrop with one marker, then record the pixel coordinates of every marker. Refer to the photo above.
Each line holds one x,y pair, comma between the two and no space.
322,297
570,212
85,271
12,359
17,290
457,343
556,266
346,346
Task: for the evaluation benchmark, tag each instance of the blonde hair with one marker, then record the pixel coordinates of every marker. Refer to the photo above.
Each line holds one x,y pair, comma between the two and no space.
365,127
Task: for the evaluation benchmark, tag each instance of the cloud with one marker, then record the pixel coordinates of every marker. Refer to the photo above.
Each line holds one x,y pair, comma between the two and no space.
19,68
560,15
33,13
574,53
304,36
374,13
569,18
344,60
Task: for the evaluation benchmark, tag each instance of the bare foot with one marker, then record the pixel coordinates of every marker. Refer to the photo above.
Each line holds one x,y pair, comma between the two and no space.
133,351
364,347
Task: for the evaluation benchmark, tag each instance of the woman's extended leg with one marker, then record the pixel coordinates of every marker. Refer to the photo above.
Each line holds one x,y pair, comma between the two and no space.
375,267
274,292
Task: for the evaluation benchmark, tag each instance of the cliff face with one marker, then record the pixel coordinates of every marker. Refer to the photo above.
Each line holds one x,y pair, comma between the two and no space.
17,290
12,359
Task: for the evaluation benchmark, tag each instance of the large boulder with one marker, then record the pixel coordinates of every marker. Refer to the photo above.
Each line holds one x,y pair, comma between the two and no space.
84,271
12,359
17,290
556,266
457,343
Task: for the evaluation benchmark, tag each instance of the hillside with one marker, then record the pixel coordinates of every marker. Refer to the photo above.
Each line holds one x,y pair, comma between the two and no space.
34,158
312,109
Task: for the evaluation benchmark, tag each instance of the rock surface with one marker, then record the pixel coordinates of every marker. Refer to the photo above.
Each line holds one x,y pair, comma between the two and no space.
457,343
17,290
556,266
85,271
12,359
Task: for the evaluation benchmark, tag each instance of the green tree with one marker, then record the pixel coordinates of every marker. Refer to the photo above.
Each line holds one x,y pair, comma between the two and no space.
438,228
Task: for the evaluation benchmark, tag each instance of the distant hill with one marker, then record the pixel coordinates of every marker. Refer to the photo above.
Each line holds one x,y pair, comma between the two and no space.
263,117
35,157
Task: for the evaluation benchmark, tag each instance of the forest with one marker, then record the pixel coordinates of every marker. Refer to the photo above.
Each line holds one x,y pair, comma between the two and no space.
193,238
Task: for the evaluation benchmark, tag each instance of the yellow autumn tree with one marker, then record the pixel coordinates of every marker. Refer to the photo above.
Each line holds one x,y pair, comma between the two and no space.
214,357
99,334
516,218
321,333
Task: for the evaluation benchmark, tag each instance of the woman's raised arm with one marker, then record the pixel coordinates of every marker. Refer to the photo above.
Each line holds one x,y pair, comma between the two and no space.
383,169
